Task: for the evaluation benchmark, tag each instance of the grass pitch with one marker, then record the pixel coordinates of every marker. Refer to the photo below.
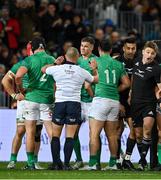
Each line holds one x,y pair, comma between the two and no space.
49,174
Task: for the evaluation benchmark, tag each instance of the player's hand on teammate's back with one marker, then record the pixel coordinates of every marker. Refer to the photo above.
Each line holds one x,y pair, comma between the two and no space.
59,60
20,97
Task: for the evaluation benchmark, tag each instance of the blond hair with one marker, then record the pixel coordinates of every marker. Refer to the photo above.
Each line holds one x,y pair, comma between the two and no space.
152,45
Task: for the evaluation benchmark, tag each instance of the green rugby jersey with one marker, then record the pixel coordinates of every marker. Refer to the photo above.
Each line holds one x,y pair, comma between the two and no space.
84,63
25,79
40,89
110,71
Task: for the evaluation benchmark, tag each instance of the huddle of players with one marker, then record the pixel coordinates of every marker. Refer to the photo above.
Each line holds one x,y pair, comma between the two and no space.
141,117
137,107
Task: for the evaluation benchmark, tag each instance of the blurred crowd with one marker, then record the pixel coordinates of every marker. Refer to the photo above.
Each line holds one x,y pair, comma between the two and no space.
63,26
150,10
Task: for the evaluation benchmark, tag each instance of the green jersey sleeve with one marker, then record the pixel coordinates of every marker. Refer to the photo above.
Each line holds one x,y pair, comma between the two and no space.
14,70
26,63
15,67
122,69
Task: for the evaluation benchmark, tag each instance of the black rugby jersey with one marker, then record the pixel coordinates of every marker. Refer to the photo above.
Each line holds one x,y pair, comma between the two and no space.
128,64
145,79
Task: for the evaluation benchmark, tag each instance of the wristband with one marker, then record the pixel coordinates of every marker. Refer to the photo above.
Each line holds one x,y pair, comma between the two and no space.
55,63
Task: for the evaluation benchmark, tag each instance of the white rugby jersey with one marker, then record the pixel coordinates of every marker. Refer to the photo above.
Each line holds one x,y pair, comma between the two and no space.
69,79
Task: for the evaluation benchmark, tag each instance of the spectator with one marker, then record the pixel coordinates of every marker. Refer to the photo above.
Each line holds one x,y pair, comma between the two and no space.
5,57
108,28
99,36
67,12
115,37
51,24
26,14
64,48
75,31
2,93
9,29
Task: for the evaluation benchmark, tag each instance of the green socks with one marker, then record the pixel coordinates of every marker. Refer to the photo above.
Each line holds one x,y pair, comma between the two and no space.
98,156
13,157
35,158
93,160
30,157
112,161
77,148
159,153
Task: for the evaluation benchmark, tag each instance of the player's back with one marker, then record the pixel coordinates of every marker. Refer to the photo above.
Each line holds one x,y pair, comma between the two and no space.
40,85
110,72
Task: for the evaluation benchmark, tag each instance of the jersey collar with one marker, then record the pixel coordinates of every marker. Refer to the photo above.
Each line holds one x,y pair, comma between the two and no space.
68,62
105,55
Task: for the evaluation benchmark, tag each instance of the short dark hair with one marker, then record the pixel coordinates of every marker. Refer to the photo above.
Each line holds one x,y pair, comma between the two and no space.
151,44
88,39
105,45
131,40
38,42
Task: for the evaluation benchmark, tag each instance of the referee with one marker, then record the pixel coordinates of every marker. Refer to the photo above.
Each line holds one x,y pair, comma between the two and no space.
69,79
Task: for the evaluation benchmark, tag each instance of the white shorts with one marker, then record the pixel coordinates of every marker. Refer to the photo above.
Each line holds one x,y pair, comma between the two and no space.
20,112
37,111
104,109
85,109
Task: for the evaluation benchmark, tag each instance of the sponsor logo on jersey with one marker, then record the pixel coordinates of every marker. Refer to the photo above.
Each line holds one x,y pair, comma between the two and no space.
129,70
150,113
137,64
149,69
67,71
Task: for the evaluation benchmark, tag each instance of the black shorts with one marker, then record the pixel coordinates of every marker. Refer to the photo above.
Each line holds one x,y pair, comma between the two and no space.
127,111
140,111
67,113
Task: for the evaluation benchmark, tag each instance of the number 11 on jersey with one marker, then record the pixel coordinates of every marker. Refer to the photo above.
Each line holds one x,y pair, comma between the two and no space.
110,76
